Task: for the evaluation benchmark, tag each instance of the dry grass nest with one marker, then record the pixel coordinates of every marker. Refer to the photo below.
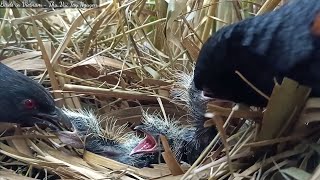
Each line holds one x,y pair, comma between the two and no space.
122,56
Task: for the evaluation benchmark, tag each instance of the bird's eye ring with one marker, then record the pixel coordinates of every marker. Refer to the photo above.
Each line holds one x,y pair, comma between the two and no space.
29,104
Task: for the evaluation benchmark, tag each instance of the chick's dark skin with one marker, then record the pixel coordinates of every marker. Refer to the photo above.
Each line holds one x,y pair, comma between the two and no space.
281,43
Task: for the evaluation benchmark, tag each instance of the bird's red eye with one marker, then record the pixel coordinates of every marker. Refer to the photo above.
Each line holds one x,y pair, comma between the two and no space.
29,104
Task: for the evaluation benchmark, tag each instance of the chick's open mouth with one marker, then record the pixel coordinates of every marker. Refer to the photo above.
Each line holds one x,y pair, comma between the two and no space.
146,145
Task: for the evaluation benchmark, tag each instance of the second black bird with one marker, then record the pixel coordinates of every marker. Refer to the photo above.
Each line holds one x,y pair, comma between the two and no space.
282,43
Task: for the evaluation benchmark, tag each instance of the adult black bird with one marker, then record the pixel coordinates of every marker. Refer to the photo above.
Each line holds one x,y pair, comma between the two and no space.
26,102
281,43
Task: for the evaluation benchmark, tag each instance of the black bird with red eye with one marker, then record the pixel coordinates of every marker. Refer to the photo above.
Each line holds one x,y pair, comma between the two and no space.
24,101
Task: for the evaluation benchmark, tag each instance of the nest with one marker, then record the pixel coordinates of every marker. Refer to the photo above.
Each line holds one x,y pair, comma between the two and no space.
115,60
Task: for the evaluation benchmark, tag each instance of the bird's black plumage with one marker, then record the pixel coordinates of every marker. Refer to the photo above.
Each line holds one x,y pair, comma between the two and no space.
24,101
274,45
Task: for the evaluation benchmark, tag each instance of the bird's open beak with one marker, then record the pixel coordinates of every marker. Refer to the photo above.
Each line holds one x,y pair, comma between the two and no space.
146,145
53,120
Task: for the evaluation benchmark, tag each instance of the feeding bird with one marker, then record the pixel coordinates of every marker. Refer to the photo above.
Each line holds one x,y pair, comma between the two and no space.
26,102
264,48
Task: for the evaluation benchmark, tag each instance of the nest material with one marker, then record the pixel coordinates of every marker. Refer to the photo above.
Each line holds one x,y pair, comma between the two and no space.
116,62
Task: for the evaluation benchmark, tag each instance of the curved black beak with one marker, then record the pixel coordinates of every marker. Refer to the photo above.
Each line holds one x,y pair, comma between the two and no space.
54,120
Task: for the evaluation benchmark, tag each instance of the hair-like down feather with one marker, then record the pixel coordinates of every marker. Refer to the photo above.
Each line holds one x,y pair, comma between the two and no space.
186,141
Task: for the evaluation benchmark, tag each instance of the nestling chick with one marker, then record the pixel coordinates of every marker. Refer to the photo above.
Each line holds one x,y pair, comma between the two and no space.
184,91
111,142
186,141
128,148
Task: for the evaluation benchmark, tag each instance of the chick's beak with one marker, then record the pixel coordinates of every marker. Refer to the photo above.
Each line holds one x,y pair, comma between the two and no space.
146,145
54,119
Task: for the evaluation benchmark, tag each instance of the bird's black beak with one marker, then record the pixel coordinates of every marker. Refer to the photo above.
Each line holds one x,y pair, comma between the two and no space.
54,120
